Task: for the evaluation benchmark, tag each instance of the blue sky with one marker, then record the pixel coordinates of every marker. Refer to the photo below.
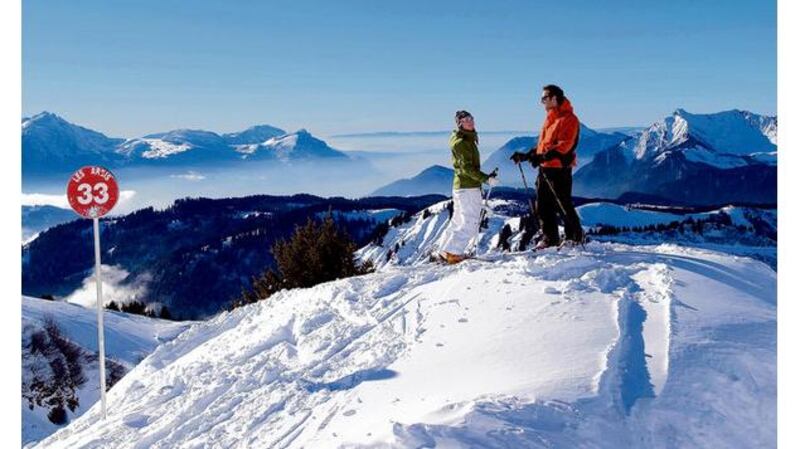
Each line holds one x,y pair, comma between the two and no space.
136,67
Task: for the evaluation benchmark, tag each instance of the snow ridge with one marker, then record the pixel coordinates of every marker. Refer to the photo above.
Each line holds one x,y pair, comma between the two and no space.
559,349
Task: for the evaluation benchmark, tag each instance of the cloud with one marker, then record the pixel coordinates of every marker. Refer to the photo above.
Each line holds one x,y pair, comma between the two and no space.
113,277
191,175
43,199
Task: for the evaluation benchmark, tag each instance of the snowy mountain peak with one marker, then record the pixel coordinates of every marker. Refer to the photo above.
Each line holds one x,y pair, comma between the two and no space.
160,146
253,135
43,116
733,132
433,169
52,123
50,142
297,145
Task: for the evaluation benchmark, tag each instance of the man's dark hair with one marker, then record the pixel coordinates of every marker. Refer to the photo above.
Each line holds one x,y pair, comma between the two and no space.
552,89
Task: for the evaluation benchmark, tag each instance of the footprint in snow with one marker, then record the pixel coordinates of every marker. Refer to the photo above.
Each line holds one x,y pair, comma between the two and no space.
350,412
440,344
462,320
136,421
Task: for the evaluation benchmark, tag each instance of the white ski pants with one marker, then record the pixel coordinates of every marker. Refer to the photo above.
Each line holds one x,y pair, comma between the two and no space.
465,222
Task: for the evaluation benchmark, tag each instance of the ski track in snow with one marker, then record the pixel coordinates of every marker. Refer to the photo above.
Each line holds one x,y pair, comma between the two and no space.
613,346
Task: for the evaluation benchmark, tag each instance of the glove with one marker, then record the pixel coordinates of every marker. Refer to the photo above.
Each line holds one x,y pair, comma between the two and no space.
518,157
551,154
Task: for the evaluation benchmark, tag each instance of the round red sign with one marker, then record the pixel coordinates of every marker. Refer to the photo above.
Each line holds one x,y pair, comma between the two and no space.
92,191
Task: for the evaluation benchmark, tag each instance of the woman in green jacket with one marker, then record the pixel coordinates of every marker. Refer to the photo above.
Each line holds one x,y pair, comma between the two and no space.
467,181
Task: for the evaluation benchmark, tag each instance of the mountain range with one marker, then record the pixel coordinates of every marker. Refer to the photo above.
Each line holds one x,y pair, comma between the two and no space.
685,158
50,145
729,156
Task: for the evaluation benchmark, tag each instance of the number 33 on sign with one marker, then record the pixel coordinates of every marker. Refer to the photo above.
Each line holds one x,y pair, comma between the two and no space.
92,191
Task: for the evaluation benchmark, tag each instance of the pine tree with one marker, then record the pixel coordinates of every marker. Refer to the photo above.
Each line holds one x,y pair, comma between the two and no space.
164,313
134,307
315,253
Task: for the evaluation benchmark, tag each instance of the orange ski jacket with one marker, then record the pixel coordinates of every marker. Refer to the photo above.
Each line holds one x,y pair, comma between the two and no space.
560,133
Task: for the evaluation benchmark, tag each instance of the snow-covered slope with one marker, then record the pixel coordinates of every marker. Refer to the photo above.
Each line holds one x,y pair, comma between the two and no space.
615,346
602,213
129,339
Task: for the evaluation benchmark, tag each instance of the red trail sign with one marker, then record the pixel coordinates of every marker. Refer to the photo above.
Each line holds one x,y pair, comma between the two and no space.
92,191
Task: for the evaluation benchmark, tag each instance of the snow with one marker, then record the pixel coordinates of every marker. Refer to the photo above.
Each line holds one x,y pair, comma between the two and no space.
727,134
162,149
595,214
298,145
378,215
282,143
610,214
614,346
770,158
128,339
715,159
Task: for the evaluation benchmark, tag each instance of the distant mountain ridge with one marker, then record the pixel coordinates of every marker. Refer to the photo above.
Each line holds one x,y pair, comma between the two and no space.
433,180
691,158
50,144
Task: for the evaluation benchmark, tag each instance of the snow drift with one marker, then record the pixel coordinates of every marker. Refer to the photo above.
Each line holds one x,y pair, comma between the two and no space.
129,339
613,346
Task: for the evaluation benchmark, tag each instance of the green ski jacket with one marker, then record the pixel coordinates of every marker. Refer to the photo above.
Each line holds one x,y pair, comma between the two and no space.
466,160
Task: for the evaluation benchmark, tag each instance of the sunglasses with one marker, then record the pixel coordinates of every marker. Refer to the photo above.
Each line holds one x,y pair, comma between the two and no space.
544,98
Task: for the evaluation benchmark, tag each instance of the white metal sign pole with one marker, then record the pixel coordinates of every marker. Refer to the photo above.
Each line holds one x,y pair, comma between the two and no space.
101,339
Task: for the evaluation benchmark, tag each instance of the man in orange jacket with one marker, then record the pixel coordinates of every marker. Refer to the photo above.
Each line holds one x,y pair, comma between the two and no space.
555,156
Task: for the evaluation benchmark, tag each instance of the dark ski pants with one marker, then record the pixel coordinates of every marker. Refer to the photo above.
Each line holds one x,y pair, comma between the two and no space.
547,208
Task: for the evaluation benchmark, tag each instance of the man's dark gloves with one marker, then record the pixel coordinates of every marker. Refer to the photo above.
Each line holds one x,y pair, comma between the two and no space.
519,156
531,156
551,154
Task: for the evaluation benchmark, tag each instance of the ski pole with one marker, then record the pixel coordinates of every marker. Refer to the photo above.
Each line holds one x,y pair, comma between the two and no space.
558,200
525,183
486,199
